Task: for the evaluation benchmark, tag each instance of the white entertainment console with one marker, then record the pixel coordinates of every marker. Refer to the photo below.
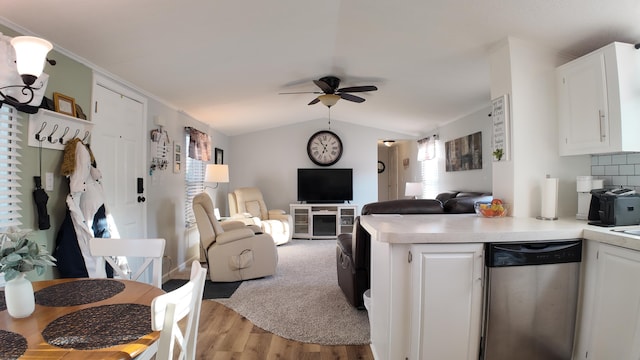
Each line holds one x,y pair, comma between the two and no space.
322,221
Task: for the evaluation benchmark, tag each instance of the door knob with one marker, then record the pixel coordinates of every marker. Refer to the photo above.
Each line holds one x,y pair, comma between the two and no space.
141,199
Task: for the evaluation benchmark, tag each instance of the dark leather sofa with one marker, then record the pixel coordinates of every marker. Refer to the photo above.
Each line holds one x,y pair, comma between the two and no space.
353,251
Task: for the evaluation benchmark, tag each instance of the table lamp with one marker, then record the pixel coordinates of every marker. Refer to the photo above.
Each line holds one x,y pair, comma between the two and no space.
413,189
216,173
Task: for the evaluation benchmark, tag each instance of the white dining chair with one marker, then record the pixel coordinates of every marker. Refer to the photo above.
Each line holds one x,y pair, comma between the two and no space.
151,250
168,309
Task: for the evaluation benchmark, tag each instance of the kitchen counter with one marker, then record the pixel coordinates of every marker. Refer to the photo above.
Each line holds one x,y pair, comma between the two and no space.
426,285
470,228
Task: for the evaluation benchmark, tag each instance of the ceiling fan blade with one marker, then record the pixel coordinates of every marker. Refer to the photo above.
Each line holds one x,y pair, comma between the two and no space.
350,97
314,101
358,88
300,92
324,86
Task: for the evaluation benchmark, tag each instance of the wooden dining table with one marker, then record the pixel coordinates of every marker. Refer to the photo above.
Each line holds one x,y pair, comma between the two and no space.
81,319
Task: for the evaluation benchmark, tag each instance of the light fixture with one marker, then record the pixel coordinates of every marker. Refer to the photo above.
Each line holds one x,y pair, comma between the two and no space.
388,143
413,189
216,173
31,53
329,99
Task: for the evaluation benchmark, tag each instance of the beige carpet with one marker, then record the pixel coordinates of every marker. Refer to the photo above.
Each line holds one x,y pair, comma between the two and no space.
303,301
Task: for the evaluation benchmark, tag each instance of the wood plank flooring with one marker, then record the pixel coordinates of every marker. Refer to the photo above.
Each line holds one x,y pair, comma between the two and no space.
226,335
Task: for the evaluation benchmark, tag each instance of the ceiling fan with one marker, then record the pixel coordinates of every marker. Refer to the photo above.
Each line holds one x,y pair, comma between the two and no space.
331,93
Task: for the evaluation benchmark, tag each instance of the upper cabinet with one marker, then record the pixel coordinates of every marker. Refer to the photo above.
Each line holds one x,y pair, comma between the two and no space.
599,101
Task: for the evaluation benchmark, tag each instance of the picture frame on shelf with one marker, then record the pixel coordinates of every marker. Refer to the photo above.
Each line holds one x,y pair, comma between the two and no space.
64,104
219,156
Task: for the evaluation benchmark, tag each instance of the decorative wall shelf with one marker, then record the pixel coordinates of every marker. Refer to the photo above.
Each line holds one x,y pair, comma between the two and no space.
53,130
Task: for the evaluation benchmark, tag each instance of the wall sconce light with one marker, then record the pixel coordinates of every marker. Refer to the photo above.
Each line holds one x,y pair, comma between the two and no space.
216,173
388,143
31,53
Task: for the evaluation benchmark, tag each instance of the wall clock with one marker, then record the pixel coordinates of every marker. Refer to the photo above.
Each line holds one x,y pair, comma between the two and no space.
324,148
381,167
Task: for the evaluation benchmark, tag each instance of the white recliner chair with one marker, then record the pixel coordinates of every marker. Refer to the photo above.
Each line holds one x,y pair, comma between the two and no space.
233,250
248,203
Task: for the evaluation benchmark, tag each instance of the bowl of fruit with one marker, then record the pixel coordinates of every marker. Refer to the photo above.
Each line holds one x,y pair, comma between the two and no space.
495,208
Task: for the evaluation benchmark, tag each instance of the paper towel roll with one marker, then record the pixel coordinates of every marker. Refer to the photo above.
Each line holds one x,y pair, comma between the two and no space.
549,198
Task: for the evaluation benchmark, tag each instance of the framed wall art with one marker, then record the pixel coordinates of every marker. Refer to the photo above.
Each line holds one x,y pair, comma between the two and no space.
464,153
219,156
501,133
177,158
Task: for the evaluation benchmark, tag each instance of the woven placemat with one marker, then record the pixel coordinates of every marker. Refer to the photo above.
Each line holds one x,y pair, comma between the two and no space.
78,292
12,345
99,327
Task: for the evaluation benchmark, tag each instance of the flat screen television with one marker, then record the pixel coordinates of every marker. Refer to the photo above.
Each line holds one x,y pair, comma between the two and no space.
325,185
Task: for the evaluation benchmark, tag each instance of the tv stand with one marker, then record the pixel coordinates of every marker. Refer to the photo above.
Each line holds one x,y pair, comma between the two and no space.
322,221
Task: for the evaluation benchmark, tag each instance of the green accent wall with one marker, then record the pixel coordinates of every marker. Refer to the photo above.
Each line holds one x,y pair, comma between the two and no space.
73,79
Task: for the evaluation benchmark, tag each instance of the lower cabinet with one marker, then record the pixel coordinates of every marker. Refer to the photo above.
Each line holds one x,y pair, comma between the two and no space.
426,300
446,301
609,325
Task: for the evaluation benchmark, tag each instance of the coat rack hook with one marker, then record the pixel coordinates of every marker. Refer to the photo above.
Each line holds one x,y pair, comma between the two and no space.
76,134
86,136
66,130
50,137
44,125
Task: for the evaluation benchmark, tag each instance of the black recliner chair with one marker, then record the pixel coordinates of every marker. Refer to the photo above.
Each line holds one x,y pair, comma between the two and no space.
353,251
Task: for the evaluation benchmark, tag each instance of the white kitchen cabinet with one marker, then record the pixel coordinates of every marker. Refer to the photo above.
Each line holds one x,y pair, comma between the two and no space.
426,300
446,301
599,101
609,326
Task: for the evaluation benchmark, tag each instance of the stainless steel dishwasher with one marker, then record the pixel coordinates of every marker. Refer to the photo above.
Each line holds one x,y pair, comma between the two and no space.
531,300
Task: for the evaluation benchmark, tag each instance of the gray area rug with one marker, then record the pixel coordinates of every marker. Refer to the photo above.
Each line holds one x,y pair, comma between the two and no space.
302,301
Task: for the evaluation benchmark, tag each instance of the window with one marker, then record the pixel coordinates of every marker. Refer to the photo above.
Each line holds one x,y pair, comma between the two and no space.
194,184
9,171
427,155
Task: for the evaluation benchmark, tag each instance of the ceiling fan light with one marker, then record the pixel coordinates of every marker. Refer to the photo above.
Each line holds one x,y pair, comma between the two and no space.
31,53
329,99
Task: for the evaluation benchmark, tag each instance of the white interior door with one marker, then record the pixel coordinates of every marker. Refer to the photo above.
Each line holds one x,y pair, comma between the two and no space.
393,173
117,141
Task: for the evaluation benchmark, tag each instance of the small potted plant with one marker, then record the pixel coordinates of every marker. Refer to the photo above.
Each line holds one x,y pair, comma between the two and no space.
498,154
19,255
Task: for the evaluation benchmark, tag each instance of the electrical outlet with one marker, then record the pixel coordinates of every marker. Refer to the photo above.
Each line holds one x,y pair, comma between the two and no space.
48,181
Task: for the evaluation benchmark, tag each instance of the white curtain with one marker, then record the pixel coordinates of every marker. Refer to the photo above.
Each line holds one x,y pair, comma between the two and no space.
199,145
427,148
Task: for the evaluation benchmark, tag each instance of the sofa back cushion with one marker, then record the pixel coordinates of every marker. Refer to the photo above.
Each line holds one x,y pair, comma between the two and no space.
465,204
404,206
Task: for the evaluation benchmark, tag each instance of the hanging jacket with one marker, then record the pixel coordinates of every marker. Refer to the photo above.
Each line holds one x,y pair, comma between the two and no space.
87,215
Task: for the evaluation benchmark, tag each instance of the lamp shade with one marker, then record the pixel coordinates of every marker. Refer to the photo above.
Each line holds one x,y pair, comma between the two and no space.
329,99
413,189
31,53
216,173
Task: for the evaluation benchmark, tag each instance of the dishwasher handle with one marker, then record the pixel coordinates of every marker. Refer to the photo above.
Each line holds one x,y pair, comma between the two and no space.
533,253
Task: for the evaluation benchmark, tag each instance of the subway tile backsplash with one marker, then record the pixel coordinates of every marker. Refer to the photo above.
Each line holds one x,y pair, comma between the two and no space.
617,170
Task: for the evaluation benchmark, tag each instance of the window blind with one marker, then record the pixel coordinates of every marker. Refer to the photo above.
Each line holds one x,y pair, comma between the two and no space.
9,170
194,184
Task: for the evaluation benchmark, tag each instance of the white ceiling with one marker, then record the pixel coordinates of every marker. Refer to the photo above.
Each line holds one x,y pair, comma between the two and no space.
224,62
